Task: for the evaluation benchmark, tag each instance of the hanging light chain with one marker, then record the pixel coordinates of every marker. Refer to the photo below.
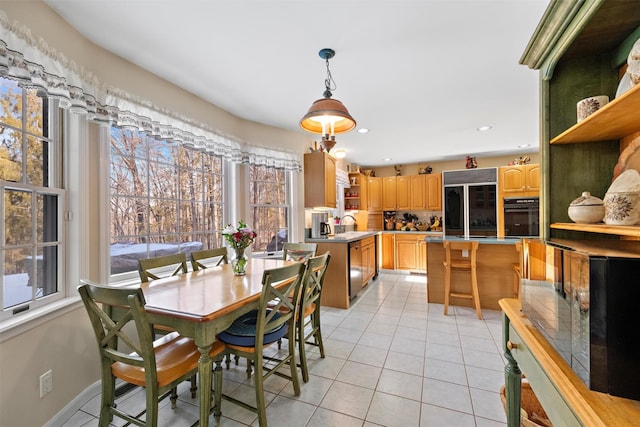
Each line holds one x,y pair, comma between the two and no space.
329,83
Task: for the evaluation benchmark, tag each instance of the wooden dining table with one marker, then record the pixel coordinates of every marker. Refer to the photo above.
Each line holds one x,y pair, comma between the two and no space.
203,303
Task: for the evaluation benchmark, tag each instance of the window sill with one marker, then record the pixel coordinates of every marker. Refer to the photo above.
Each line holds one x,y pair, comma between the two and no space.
21,324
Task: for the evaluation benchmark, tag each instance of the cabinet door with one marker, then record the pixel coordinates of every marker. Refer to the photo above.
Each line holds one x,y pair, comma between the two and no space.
434,191
387,251
422,255
374,194
406,253
418,192
389,193
533,177
512,179
319,180
403,195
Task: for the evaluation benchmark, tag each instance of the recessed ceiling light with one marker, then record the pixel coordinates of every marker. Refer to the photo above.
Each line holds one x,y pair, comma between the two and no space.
483,128
340,153
363,130
387,159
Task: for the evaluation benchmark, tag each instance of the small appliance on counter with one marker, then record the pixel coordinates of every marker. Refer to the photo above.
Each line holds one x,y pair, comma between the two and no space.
320,225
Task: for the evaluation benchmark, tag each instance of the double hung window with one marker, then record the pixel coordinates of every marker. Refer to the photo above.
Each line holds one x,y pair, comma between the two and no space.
31,234
270,206
164,198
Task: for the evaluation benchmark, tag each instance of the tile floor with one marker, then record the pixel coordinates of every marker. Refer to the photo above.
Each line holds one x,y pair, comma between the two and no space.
392,359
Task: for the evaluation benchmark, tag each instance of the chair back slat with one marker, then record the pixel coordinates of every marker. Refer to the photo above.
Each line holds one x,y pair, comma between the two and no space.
111,311
298,251
218,255
146,265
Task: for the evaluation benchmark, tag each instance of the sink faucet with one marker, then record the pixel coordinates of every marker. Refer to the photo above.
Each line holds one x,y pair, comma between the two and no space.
354,220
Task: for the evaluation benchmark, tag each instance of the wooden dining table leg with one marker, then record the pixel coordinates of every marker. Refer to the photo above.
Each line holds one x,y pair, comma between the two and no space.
204,375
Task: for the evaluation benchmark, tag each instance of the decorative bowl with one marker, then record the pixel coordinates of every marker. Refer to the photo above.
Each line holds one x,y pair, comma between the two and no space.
586,209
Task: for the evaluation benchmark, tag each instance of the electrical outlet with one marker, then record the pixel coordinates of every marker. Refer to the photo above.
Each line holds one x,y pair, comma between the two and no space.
465,253
46,383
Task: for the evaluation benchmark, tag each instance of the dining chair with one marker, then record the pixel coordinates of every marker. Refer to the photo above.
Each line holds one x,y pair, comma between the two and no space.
216,256
252,332
298,251
308,319
461,262
148,267
158,366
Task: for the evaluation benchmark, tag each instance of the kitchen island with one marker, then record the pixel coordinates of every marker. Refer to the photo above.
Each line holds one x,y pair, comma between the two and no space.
495,260
352,265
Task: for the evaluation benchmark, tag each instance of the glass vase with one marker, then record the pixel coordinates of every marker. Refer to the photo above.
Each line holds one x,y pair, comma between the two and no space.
239,263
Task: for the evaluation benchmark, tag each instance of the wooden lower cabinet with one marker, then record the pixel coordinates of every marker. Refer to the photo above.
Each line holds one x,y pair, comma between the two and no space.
368,250
411,252
387,251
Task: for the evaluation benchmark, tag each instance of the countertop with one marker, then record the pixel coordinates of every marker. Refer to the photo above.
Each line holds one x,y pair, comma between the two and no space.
351,236
482,239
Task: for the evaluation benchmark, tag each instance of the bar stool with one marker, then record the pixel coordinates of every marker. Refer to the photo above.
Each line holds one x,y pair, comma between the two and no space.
461,264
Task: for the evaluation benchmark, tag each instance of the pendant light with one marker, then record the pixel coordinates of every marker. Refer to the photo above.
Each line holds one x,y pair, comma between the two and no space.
328,116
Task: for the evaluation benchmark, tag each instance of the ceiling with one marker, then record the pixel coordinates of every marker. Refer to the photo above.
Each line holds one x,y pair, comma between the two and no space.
421,75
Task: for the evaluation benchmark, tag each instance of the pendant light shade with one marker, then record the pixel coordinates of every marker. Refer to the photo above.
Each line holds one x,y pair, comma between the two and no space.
327,116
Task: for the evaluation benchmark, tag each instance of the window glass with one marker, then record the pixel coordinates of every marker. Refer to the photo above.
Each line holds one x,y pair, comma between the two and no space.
165,198
30,214
269,207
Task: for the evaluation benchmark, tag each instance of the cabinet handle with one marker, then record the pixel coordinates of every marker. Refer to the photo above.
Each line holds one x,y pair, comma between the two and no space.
511,345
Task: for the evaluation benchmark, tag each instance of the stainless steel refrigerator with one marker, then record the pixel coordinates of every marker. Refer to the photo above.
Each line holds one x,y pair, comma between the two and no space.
469,197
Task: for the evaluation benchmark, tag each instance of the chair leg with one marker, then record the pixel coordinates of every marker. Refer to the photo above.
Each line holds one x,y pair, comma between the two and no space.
476,296
174,397
315,321
194,386
447,289
302,351
151,416
260,401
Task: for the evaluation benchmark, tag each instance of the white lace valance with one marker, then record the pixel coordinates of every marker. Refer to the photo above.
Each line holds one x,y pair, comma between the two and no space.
33,64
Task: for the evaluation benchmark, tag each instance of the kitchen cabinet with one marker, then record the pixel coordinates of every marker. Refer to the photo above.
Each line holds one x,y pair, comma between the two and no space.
411,252
520,180
387,251
418,193
433,187
403,193
374,194
586,54
319,180
389,193
355,197
368,253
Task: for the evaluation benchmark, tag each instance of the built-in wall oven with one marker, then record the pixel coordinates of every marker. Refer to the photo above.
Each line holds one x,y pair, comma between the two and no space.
522,216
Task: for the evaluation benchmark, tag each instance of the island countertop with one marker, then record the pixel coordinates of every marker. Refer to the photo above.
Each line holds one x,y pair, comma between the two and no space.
492,240
351,236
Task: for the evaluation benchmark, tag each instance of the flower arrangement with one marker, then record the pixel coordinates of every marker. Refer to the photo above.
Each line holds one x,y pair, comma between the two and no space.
240,237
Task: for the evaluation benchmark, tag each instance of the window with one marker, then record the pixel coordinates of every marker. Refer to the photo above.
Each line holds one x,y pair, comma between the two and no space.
268,189
164,198
31,205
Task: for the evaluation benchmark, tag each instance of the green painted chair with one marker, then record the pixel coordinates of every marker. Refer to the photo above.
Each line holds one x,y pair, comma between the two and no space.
215,256
158,366
251,333
148,267
308,320
298,251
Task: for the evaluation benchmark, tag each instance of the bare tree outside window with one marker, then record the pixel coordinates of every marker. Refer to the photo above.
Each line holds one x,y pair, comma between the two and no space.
269,207
165,198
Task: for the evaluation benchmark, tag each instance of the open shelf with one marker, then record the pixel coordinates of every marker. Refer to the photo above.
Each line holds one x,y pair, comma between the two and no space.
615,120
620,230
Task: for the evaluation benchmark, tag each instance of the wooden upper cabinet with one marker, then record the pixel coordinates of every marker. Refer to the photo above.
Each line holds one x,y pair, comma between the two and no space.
389,193
403,194
519,179
418,192
374,194
319,180
434,191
